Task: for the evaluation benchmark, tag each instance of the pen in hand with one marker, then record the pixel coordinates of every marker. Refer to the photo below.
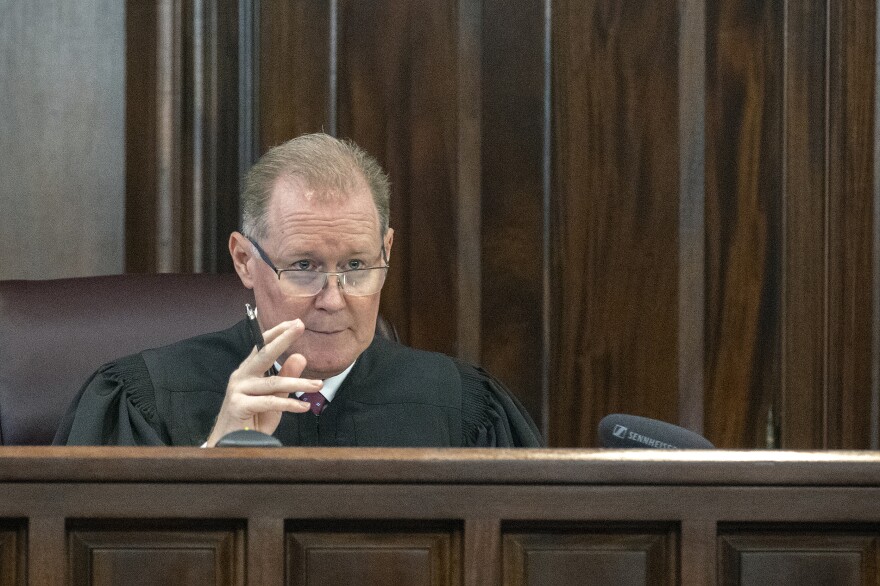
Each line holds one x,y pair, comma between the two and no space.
257,334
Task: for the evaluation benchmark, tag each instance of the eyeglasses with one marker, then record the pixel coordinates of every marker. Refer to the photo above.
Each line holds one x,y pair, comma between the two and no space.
308,283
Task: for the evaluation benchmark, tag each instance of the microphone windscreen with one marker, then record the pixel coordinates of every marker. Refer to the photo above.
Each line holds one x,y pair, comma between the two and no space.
248,438
631,431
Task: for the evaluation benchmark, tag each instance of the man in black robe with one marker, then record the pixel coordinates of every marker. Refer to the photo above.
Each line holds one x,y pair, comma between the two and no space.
314,247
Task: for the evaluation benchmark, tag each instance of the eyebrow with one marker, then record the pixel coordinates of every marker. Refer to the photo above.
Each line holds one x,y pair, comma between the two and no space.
300,255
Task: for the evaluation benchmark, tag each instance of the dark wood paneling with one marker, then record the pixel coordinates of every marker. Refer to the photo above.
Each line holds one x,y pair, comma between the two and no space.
152,133
514,65
295,70
61,138
12,557
615,215
265,551
804,332
567,555
46,555
182,144
381,554
146,553
225,144
798,556
744,88
482,552
853,398
648,513
397,99
692,214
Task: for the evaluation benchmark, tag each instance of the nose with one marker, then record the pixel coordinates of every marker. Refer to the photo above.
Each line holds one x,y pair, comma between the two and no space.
331,297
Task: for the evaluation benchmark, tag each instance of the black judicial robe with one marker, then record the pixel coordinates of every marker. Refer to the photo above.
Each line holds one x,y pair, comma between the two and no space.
394,396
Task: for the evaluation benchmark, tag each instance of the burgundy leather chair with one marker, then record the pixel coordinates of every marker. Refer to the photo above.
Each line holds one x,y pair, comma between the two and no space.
55,333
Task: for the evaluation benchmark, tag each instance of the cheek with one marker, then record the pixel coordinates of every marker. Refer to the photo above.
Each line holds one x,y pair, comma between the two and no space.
276,307
365,311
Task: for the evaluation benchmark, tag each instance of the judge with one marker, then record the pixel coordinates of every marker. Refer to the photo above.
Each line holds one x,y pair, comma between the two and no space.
315,247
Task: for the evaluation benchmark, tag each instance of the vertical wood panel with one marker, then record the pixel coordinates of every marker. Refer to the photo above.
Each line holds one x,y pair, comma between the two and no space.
182,146
294,69
743,194
853,279
616,215
691,214
265,552
46,554
467,187
398,100
804,329
482,552
699,551
13,557
62,131
226,136
514,68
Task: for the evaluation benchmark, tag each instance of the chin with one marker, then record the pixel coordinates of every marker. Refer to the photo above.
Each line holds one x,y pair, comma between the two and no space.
329,356
326,366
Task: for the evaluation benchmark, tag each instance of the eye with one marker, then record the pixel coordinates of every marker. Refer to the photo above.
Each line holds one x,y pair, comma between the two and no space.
303,265
354,264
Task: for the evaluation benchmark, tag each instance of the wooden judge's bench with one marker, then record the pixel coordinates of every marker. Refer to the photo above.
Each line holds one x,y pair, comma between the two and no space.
409,516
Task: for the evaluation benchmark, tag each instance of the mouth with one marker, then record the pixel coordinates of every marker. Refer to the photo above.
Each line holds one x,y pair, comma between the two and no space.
326,332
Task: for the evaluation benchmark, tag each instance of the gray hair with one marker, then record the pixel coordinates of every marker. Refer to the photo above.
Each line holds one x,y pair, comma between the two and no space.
330,166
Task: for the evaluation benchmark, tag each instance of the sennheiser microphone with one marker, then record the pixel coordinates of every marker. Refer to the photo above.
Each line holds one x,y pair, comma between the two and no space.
632,431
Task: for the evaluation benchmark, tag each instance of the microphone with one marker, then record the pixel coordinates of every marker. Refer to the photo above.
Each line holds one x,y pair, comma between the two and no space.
631,431
248,438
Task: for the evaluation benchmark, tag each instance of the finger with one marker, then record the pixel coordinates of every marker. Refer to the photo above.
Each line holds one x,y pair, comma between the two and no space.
280,338
257,405
277,385
275,331
293,366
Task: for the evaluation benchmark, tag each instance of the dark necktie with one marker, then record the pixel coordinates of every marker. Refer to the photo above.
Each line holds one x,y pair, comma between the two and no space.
317,401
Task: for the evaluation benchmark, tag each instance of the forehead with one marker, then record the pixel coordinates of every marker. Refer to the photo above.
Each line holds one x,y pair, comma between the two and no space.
302,216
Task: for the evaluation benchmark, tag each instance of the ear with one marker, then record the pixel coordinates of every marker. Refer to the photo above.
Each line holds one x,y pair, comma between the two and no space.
241,250
389,240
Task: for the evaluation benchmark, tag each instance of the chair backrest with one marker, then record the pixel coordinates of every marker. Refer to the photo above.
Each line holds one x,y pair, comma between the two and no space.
55,333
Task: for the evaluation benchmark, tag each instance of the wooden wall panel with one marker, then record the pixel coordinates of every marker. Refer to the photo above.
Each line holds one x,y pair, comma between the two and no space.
799,556
295,70
183,147
382,554
13,562
118,554
744,88
62,135
802,384
615,216
515,189
852,417
568,555
398,100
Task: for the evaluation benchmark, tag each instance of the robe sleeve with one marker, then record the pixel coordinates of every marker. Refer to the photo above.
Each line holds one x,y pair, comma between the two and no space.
116,406
491,415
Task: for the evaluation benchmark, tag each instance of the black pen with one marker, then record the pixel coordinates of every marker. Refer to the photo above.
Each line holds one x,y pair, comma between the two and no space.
257,334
